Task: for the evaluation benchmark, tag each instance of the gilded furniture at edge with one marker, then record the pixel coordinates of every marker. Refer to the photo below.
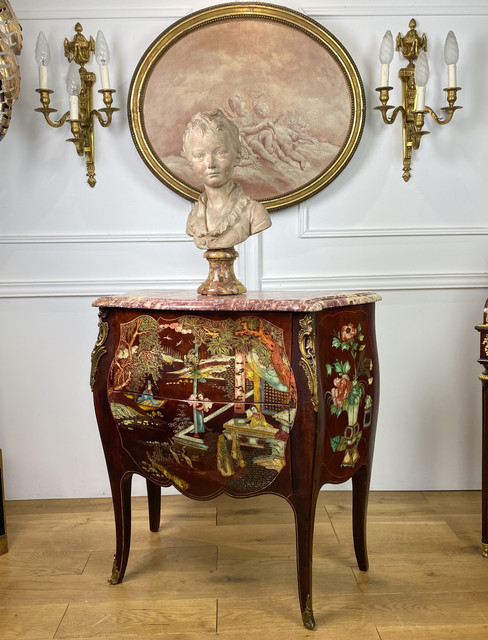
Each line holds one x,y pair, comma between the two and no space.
3,525
483,360
243,395
10,50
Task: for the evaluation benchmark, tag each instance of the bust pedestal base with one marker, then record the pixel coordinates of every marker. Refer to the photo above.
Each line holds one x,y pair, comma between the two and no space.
221,280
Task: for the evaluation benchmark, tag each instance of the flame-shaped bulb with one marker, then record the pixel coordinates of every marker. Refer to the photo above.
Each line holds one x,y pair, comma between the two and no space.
42,52
451,49
102,52
386,56
73,80
102,56
43,55
421,70
386,48
73,87
421,77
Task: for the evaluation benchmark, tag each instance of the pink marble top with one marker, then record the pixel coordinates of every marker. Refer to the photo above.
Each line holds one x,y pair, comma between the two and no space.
251,301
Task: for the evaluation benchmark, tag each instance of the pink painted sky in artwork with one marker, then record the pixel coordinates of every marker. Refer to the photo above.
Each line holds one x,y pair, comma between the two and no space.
262,61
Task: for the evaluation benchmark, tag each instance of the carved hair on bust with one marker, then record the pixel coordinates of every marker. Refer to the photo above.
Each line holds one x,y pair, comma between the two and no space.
214,122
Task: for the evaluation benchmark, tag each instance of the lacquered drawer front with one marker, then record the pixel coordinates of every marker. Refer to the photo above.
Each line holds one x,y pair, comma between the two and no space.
241,453
231,360
205,403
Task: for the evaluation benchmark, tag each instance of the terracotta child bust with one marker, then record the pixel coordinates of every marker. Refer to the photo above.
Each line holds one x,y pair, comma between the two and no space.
224,215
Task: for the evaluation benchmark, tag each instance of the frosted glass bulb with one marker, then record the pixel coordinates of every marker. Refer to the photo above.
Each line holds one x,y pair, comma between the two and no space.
451,49
102,53
73,80
42,52
386,48
421,70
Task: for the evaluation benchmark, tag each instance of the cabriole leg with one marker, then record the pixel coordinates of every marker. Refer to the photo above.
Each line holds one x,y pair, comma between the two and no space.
360,495
121,497
304,510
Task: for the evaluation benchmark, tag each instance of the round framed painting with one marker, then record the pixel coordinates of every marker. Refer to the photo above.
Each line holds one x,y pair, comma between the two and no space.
287,83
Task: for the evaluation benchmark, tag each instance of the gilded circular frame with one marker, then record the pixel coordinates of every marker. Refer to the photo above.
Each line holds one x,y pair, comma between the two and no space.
288,83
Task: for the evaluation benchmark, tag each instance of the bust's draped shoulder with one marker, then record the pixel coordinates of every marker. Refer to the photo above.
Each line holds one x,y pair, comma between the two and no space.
241,218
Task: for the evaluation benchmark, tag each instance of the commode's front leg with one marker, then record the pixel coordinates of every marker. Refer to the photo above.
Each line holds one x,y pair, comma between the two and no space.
304,510
121,497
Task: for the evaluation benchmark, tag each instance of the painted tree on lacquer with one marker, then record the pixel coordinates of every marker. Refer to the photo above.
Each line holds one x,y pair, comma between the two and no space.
139,355
227,337
237,338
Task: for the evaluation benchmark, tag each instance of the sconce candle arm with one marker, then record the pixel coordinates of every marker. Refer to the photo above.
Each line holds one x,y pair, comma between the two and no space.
449,113
449,110
393,116
384,95
55,124
384,113
108,116
108,110
46,110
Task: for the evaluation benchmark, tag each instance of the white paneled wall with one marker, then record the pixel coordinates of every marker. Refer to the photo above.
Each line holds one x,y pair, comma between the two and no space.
423,246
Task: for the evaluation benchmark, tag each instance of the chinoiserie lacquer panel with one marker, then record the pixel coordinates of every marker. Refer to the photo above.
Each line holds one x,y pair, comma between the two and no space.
350,380
196,398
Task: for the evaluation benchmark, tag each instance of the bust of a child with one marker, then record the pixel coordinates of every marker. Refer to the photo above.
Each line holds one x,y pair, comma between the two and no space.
224,215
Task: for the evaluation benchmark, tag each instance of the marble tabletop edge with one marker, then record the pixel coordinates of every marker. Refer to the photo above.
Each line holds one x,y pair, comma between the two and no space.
305,301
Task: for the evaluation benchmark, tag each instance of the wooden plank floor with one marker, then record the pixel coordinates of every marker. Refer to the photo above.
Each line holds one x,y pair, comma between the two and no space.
226,569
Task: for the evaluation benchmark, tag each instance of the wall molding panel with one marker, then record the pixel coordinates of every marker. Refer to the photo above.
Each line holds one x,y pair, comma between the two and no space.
248,266
88,288
154,10
380,282
372,9
84,12
93,238
377,282
306,231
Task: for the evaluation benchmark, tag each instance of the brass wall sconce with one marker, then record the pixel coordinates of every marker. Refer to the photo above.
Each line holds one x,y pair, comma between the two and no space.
79,84
414,78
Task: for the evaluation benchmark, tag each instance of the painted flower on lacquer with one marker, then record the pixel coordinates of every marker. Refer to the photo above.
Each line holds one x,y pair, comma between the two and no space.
342,389
353,376
348,332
